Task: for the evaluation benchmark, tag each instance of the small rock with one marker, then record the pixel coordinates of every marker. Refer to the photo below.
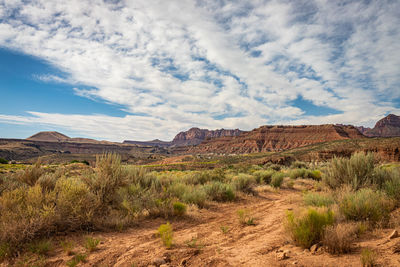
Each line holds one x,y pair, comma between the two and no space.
282,256
314,248
287,252
158,261
394,234
294,263
164,265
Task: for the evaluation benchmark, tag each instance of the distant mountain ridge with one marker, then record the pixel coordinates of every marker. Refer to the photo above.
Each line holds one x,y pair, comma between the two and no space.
191,137
389,126
277,138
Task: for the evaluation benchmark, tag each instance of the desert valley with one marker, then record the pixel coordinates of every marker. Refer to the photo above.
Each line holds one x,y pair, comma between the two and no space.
310,195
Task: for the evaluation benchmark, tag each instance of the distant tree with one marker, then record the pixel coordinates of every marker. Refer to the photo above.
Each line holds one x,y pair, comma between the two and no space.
3,161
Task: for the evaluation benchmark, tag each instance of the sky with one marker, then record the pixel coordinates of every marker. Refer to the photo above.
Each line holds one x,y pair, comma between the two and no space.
146,69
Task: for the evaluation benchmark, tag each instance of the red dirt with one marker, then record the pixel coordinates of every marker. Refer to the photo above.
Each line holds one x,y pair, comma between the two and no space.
199,240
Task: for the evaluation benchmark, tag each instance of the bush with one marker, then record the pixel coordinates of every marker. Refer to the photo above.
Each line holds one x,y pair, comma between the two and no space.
368,258
219,191
166,234
108,177
307,229
263,176
272,166
365,205
298,165
339,238
3,161
75,204
277,179
298,173
392,185
318,200
357,171
244,182
31,174
25,214
315,175
179,208
196,195
5,251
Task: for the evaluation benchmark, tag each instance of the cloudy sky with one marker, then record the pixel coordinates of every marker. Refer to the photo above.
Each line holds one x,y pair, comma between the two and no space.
148,69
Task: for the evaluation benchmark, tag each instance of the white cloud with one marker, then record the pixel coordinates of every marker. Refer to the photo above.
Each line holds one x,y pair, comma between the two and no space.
186,63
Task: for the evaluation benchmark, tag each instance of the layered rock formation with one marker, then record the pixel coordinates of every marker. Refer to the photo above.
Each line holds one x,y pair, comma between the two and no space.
191,137
389,126
195,136
277,138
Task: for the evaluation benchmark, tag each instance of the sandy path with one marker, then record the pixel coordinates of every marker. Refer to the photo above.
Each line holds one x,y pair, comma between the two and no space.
199,240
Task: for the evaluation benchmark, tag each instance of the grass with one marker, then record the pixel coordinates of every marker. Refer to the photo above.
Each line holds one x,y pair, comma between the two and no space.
318,199
166,234
68,247
245,217
368,258
339,238
78,258
307,228
40,247
91,244
224,229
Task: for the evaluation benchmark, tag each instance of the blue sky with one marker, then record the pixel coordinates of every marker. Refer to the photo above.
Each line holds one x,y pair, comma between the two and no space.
141,70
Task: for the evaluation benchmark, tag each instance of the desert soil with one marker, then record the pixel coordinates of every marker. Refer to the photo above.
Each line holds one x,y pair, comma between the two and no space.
199,240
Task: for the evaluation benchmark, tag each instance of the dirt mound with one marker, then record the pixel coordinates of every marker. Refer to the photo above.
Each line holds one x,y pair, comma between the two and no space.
49,137
277,138
386,127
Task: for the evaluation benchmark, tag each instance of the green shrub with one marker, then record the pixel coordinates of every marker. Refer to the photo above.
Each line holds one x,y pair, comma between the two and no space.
75,204
91,243
40,247
392,185
315,175
3,161
166,234
307,229
365,205
219,191
179,208
357,171
106,180
263,176
277,179
318,199
368,258
272,166
298,173
244,182
298,165
196,195
26,213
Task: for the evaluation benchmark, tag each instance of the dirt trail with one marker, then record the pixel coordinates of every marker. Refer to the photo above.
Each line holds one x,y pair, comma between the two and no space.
200,241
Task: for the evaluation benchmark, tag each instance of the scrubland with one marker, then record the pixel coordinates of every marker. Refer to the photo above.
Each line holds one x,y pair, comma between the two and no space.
306,214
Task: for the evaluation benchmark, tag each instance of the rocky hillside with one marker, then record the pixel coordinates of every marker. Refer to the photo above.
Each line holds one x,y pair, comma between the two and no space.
195,136
191,137
386,127
277,138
